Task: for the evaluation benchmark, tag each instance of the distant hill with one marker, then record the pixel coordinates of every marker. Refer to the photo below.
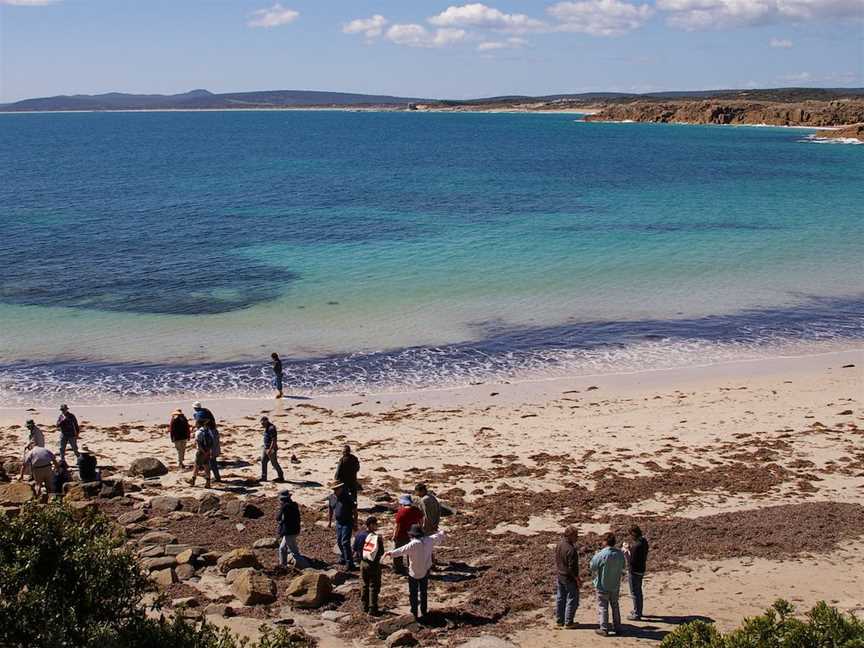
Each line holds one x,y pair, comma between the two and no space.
204,99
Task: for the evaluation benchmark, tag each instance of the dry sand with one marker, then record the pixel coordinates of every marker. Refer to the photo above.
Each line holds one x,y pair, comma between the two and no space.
747,478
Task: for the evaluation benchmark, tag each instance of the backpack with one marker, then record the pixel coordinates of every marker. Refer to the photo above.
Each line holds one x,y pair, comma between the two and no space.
204,439
372,547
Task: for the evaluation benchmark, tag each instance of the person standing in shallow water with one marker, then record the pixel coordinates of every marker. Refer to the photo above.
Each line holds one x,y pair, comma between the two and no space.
277,373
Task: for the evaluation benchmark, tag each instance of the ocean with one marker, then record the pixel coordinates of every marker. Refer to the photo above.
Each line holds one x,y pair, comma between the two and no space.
148,255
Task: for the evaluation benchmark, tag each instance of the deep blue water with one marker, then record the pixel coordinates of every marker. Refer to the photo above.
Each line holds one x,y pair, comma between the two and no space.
169,252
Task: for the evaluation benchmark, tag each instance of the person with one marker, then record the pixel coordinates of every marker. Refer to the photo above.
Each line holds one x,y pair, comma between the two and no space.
203,415
36,437
62,477
567,579
67,423
407,516
347,470
607,568
215,451
269,451
277,373
368,551
87,466
343,508
419,553
180,433
636,552
289,528
41,463
429,506
203,447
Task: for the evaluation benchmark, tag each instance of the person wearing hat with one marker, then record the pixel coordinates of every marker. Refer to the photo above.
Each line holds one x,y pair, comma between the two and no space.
179,430
41,463
342,507
269,451
419,552
87,466
407,516
368,550
203,415
289,528
67,423
204,419
36,438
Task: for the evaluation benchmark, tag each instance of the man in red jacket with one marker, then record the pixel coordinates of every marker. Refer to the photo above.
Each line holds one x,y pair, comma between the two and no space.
407,516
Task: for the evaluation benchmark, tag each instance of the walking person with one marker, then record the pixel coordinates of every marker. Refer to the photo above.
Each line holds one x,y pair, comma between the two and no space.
203,415
36,437
567,581
203,447
41,463
289,528
215,453
347,470
269,451
420,553
67,423
430,507
180,432
278,376
368,551
636,551
343,508
607,568
407,516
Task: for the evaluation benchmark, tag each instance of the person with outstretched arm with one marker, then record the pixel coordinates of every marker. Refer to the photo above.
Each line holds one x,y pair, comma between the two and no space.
420,553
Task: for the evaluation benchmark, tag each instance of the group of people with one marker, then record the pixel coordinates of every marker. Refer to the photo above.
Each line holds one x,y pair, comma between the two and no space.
607,567
205,438
49,474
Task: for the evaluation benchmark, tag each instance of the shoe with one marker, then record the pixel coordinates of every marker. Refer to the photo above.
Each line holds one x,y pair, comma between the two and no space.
619,631
572,626
279,480
601,632
634,617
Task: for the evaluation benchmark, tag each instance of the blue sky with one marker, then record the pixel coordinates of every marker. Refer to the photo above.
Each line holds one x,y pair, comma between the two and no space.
425,47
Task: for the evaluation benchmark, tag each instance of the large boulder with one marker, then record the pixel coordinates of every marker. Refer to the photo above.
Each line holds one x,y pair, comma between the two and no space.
164,504
112,488
208,502
254,588
80,491
309,590
147,467
16,493
245,509
402,637
132,517
236,559
164,577
157,563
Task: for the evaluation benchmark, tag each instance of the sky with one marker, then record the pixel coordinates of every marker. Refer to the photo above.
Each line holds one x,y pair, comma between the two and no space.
426,48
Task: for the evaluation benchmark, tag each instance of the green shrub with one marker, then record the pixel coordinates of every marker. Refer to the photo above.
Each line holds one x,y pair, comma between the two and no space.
824,627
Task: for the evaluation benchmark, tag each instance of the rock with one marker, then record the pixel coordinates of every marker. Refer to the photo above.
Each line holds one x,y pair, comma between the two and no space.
10,511
402,637
147,467
245,509
234,574
487,641
82,510
180,515
210,558
164,577
219,609
158,563
152,551
254,588
131,487
186,601
387,627
334,615
184,572
177,549
266,543
112,488
158,537
188,504
132,517
237,558
134,529
12,467
16,493
208,502
190,555
80,491
164,504
309,590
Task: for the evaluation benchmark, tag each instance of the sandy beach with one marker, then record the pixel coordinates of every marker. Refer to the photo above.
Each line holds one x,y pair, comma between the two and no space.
746,477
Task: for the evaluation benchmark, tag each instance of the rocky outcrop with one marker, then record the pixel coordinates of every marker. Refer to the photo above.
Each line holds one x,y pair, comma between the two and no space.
147,467
853,132
237,559
16,493
807,113
310,590
253,588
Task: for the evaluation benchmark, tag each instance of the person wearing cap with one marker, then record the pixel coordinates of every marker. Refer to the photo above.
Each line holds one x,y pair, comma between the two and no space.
607,569
347,470
429,506
407,516
368,551
36,438
419,552
179,430
277,373
87,466
67,423
269,453
289,528
41,463
342,507
203,415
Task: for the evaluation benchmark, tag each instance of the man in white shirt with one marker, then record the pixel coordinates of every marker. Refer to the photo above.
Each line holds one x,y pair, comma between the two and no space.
41,463
419,551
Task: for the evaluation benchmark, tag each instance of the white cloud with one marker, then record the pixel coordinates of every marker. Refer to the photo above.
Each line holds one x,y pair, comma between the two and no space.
370,27
273,17
510,43
600,17
780,43
480,15
28,3
413,35
710,14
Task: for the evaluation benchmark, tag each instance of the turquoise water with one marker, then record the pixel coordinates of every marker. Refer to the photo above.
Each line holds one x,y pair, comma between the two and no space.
164,253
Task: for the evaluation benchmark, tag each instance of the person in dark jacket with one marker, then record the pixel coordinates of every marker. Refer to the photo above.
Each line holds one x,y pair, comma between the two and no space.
270,451
87,471
180,432
567,579
70,431
342,507
368,551
347,471
289,528
62,476
637,558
